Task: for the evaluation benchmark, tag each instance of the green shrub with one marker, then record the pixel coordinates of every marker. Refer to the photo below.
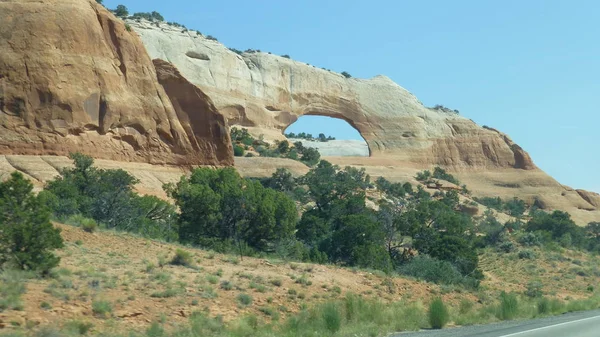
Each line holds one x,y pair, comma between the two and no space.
244,299
331,317
155,330
526,254
346,74
432,270
534,289
543,306
89,225
438,314
182,258
79,327
102,308
507,246
27,237
509,306
238,150
226,285
12,286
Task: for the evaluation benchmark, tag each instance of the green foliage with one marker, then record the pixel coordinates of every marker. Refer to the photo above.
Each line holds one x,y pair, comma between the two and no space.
514,207
302,135
526,254
12,286
534,289
221,205
121,11
423,176
153,16
310,156
440,173
89,225
107,196
102,308
241,135
529,240
396,190
27,237
346,74
560,227
331,317
182,258
211,38
438,314
244,299
285,56
238,150
509,306
426,268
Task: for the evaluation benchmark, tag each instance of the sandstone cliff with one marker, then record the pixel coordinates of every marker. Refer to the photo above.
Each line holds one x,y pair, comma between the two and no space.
73,78
267,93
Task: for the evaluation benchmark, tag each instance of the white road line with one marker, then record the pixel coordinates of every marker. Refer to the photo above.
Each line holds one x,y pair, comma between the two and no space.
550,326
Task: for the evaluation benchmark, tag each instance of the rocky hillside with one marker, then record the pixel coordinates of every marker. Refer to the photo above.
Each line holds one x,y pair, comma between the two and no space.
74,78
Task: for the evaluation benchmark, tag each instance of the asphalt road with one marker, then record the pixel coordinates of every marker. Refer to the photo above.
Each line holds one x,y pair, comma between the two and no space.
579,324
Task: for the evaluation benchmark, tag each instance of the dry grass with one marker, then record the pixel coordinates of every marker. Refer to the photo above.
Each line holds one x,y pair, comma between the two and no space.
133,277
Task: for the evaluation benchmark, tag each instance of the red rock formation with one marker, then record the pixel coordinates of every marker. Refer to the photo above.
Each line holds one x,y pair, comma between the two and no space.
206,128
75,78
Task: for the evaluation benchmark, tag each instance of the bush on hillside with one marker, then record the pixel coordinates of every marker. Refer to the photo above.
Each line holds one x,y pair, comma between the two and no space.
27,238
107,196
428,269
221,205
438,314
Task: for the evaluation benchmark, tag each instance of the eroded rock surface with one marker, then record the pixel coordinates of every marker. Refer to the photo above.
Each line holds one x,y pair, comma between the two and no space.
267,93
74,78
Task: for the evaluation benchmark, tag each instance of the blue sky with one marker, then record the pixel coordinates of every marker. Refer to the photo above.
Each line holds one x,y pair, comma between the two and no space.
528,68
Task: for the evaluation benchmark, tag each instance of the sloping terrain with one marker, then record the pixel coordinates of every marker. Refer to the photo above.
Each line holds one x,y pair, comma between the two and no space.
133,277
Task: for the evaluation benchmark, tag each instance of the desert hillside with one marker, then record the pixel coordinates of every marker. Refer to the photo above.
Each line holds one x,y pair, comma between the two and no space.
115,282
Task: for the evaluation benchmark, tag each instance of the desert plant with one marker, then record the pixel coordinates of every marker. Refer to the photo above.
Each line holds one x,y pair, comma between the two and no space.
102,308
238,150
244,299
27,237
526,254
182,258
89,225
438,314
534,289
331,317
509,306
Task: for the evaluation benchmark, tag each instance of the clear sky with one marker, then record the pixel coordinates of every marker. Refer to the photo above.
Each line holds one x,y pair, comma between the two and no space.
528,68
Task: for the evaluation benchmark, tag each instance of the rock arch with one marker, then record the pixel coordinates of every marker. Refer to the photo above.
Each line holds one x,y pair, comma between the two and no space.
338,116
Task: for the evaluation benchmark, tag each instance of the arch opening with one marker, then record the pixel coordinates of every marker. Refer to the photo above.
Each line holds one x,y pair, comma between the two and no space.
332,136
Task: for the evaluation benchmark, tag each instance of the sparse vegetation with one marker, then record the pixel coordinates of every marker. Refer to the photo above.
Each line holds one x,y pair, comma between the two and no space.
438,314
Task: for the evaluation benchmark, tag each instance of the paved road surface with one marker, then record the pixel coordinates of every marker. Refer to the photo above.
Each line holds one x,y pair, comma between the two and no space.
579,324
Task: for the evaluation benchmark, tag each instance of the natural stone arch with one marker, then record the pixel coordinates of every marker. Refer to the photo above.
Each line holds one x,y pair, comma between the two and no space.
335,115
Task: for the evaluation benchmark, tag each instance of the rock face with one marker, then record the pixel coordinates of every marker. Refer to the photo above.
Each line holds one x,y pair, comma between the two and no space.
267,93
204,126
74,78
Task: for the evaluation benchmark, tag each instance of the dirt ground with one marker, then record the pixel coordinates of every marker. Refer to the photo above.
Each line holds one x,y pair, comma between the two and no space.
134,276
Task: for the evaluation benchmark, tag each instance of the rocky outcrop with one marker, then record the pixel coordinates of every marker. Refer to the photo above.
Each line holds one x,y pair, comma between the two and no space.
267,93
204,126
75,78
